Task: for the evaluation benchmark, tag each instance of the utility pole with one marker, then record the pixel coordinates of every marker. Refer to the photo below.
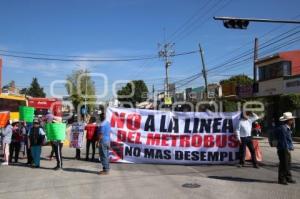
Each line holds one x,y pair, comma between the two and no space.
165,53
153,92
255,56
203,70
85,113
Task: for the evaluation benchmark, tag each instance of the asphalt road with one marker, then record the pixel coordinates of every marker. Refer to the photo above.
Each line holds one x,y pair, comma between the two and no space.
79,179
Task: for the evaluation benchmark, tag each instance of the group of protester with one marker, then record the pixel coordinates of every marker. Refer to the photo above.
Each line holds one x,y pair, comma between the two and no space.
16,135
34,137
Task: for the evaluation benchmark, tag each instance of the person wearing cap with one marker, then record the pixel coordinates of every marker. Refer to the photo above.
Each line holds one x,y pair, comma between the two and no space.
243,133
35,142
7,133
284,148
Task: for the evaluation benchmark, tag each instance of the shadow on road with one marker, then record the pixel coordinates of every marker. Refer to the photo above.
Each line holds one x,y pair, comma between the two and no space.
239,179
29,166
80,170
294,167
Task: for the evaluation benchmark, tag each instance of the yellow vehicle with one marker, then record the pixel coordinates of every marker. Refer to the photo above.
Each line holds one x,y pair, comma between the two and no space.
11,103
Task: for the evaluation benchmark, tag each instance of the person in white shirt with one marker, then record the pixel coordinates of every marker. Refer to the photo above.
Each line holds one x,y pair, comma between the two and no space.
243,133
7,134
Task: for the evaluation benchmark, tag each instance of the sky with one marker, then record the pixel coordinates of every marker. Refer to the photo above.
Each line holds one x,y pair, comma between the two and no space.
119,29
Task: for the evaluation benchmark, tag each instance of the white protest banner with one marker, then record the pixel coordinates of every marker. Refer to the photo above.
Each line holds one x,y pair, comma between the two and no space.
151,136
76,136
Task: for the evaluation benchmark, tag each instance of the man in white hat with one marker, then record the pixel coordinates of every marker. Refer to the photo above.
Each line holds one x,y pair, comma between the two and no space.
284,148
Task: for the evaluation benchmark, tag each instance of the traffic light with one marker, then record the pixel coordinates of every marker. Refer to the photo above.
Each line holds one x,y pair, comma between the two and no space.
236,23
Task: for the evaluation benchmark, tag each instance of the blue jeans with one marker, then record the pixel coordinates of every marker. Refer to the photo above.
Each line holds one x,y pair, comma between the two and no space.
36,155
104,155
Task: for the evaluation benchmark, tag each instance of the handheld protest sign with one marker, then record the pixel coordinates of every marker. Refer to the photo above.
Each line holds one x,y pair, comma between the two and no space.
26,113
56,131
4,117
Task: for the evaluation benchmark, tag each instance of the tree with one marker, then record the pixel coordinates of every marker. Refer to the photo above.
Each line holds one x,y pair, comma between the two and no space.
23,91
237,80
233,82
81,79
138,93
11,86
289,102
35,90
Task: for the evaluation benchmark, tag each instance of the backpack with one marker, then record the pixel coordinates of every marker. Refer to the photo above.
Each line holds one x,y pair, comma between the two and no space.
272,137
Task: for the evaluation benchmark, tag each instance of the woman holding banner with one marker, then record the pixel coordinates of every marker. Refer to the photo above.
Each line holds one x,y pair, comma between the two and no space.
35,142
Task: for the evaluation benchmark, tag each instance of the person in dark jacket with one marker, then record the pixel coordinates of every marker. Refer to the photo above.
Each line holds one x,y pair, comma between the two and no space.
15,145
35,142
284,148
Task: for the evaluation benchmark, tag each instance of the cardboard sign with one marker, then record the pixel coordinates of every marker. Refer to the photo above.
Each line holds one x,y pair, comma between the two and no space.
56,131
26,113
4,117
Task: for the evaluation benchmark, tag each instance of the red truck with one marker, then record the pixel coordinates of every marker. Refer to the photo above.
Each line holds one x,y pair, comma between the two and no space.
42,105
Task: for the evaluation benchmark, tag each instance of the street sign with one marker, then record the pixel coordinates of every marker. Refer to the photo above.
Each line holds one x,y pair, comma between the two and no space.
168,101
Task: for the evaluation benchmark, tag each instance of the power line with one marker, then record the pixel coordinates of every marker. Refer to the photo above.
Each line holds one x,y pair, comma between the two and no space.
289,42
93,60
191,26
265,44
249,52
189,30
69,56
260,37
190,19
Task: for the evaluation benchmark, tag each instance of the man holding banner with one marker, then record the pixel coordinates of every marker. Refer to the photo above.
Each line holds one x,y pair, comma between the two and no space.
244,136
104,143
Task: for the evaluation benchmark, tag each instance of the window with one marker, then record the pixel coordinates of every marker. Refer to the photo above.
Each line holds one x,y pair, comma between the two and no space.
11,105
275,70
287,71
